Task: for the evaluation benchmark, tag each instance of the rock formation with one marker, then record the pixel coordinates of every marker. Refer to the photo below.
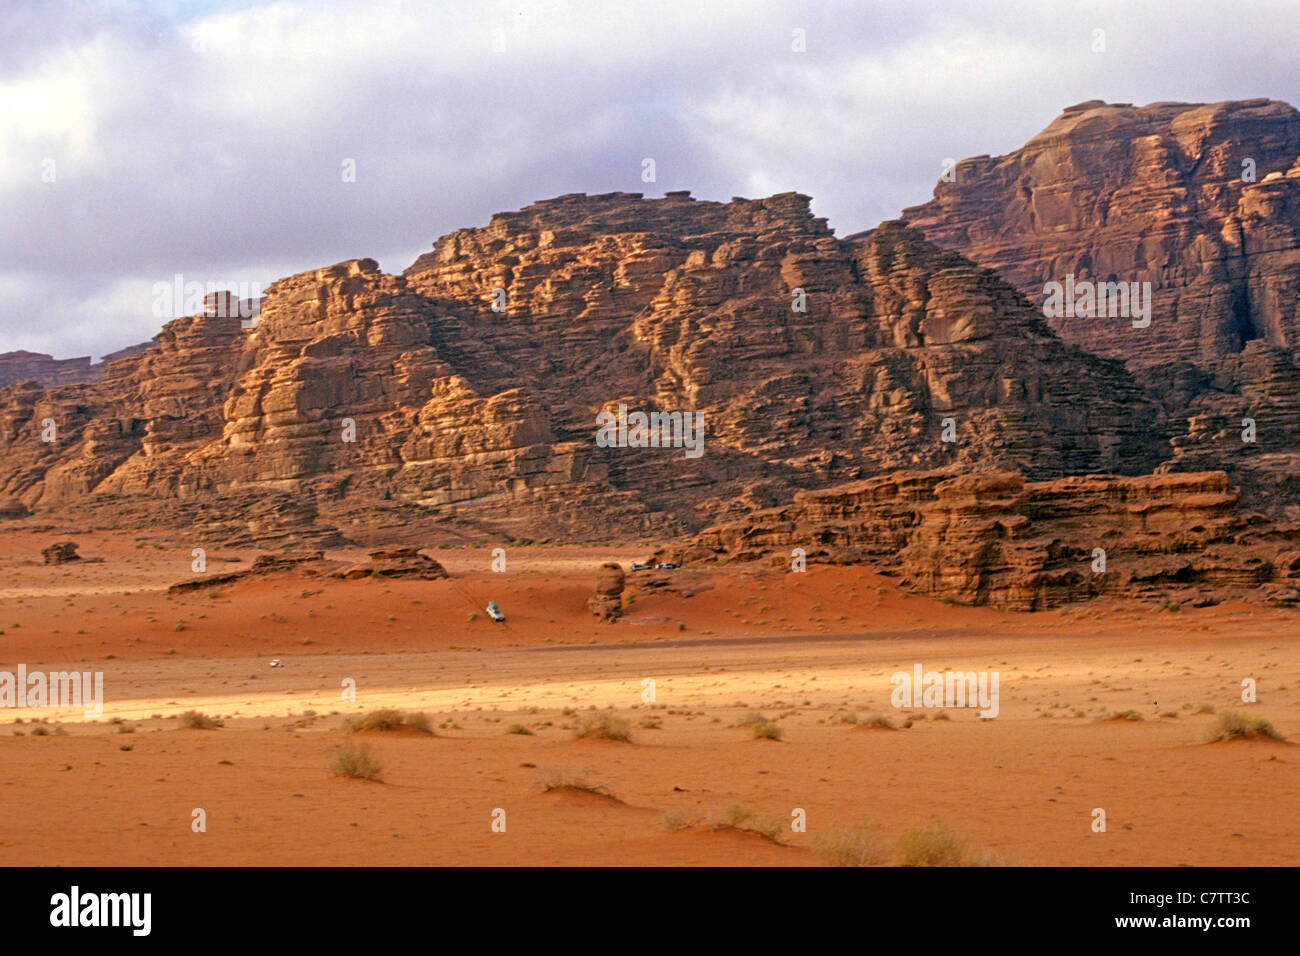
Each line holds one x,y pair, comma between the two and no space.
607,602
1145,194
61,553
396,563
46,370
994,538
464,393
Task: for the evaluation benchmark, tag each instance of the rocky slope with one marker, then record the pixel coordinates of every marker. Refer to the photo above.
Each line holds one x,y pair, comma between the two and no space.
464,393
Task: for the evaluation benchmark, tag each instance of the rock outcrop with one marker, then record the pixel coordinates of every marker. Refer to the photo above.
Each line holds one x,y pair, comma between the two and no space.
465,392
46,370
396,563
607,602
994,538
60,553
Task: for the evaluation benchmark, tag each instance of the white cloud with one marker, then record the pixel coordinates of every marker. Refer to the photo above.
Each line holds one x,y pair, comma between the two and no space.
224,161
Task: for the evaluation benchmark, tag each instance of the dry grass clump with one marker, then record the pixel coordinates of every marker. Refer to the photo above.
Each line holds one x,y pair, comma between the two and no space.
849,846
934,845
1234,726
602,726
197,721
355,761
736,817
388,719
765,730
566,781
739,817
1124,715
937,845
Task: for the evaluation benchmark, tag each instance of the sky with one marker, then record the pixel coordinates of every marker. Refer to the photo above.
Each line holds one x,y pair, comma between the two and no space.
213,139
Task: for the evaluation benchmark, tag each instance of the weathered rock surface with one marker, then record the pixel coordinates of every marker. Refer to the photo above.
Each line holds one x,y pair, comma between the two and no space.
607,602
994,538
362,403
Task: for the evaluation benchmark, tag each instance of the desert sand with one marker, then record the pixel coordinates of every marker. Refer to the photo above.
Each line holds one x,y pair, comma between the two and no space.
810,651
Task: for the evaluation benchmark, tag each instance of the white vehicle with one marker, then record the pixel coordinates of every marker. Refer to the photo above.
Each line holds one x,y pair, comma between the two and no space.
495,612
275,662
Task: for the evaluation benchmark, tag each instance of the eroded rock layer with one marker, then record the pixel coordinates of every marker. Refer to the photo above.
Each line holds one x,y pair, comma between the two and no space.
995,538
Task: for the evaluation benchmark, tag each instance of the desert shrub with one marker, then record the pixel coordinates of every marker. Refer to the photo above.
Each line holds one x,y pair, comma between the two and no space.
878,720
765,730
388,719
932,846
1234,726
197,721
604,726
519,729
564,780
1125,715
355,761
739,817
849,846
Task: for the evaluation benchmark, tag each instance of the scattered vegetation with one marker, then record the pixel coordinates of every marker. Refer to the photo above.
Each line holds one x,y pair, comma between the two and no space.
765,730
520,729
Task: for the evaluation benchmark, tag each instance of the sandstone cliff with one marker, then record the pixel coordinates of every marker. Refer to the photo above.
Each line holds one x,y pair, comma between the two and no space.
464,393
1203,202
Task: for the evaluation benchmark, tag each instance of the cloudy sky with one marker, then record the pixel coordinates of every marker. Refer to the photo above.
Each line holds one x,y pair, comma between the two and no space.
208,138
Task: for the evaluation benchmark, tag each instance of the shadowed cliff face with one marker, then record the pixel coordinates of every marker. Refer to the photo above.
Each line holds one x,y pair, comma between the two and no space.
465,392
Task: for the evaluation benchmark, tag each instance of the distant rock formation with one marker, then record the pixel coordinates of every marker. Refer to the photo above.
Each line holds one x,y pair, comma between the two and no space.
1147,194
46,370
